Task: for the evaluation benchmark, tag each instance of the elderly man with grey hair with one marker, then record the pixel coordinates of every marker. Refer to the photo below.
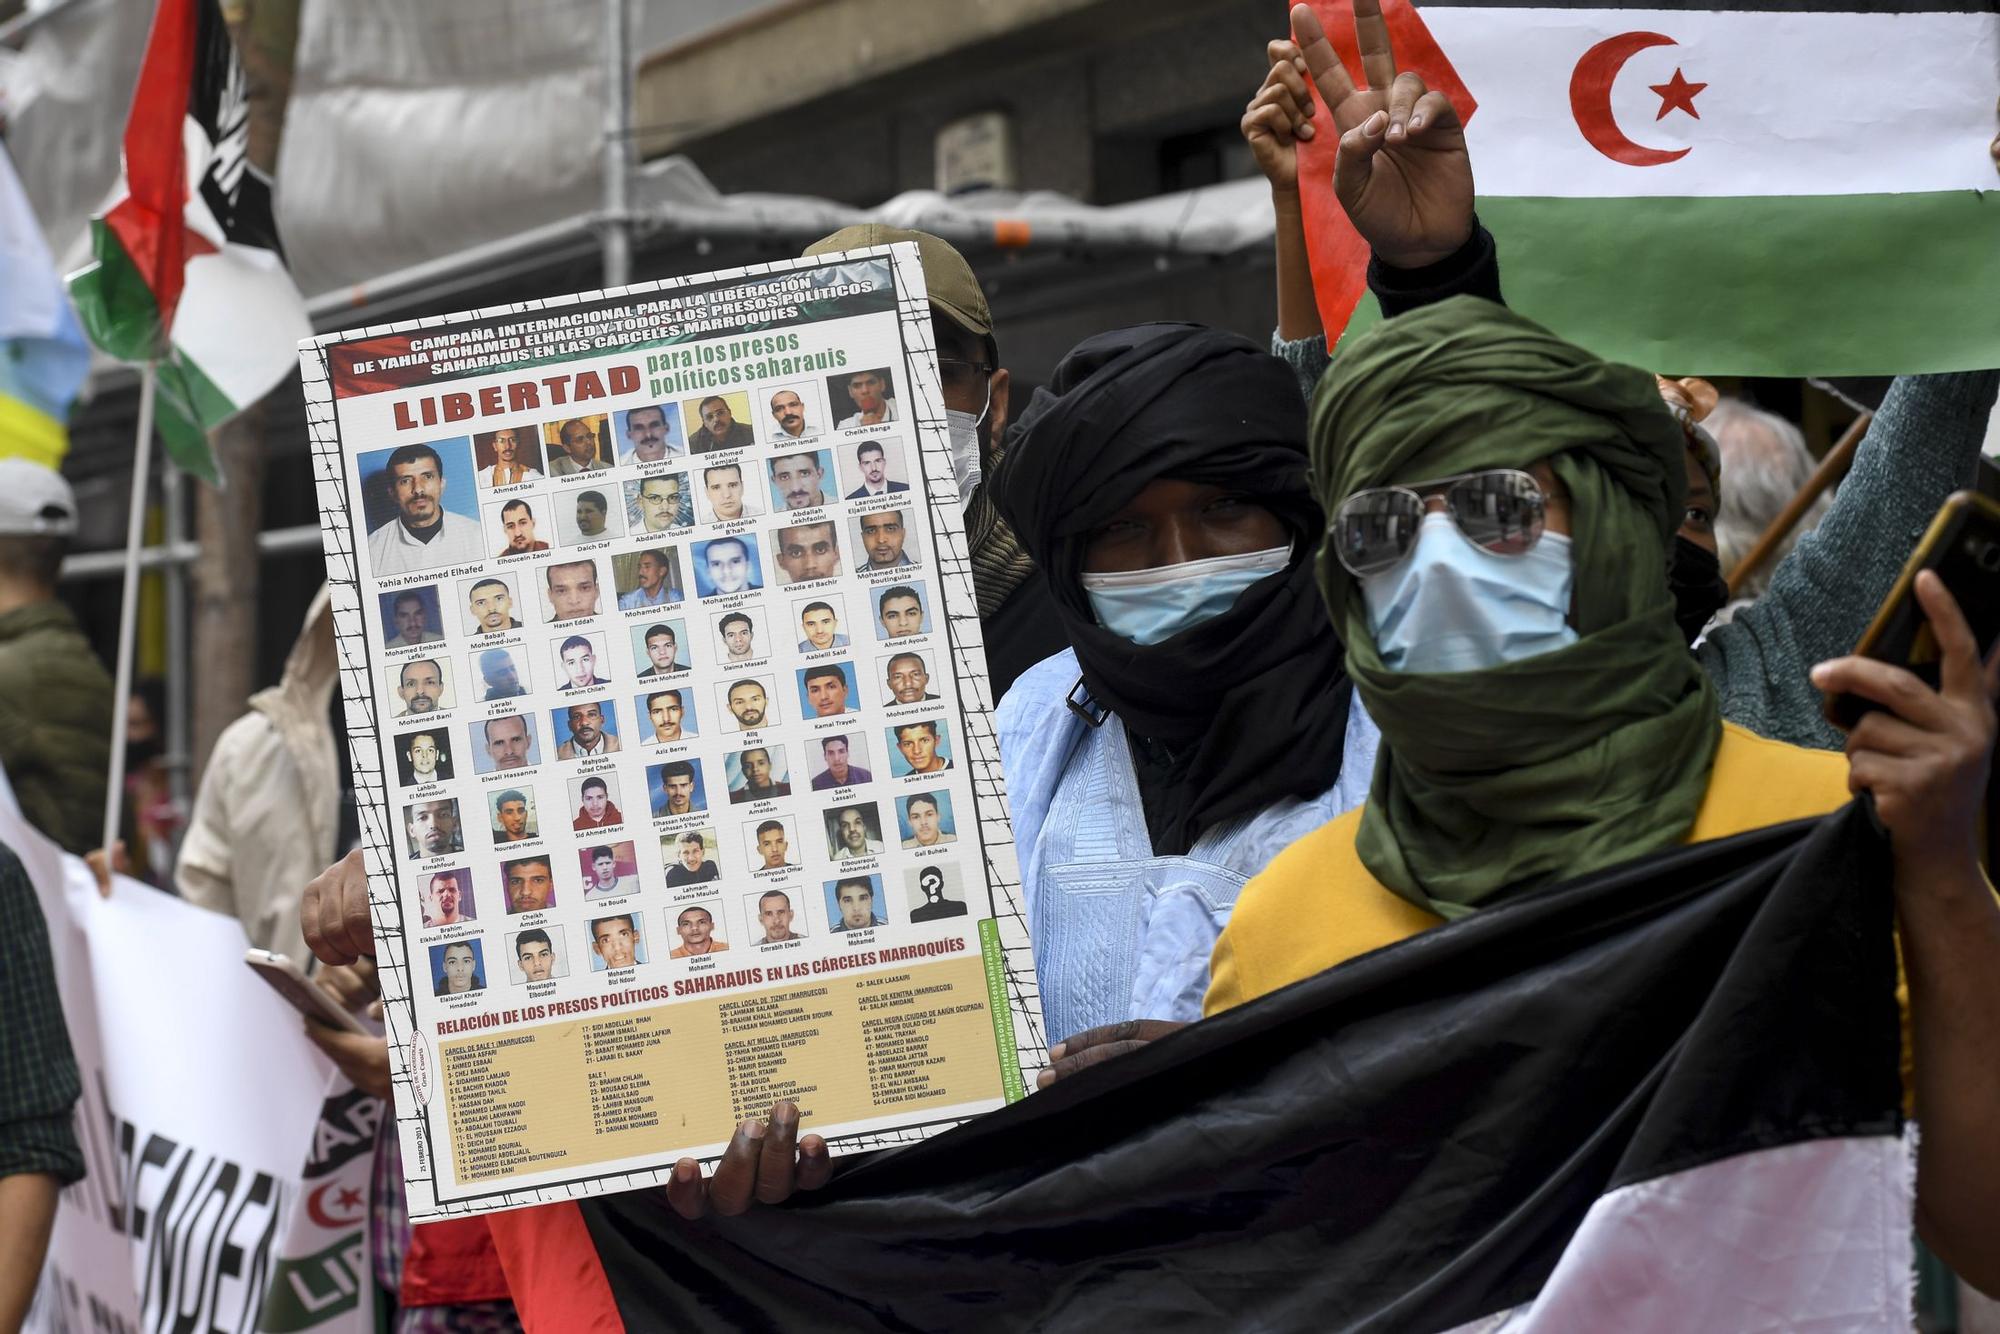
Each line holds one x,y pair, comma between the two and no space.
1765,462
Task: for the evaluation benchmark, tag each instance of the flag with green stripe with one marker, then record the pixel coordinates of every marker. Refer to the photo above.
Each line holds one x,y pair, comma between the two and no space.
188,272
1774,187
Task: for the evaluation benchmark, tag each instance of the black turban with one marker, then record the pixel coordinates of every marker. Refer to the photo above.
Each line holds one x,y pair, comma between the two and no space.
1235,713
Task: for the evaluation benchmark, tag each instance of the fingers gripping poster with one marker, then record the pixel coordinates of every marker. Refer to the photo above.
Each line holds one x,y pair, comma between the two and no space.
670,724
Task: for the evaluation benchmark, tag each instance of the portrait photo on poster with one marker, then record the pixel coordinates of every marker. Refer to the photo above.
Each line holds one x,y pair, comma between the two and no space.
906,679
716,422
756,773
419,686
873,467
458,967
538,954
649,434
775,917
445,898
923,819
828,690
658,504
518,525
607,870
725,566
676,787
883,542
740,635
853,829
507,456
772,843
901,611
921,746
512,816
597,802
576,445
691,857
573,589
648,579
431,829
748,703
660,649
492,603
420,506
504,742
800,481
822,622
587,514
411,617
862,398
581,662
725,495
794,412
667,715
423,756
528,882
586,729
840,761
616,941
699,928
854,903
500,673
807,552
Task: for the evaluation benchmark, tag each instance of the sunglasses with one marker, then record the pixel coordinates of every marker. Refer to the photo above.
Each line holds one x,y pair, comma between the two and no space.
1498,510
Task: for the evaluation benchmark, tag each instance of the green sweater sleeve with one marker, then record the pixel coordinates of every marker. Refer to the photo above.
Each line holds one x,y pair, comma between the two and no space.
1922,446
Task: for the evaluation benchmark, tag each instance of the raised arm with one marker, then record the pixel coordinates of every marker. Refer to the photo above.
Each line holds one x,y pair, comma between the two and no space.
1922,446
1924,758
1402,176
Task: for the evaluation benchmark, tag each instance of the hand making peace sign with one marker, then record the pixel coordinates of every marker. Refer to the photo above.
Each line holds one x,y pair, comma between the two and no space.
1403,174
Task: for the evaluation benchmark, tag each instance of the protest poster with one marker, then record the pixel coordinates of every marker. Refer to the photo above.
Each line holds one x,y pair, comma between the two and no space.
670,727
226,1161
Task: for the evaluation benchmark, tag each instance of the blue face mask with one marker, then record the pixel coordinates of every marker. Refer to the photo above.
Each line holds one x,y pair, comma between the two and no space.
1148,606
1450,607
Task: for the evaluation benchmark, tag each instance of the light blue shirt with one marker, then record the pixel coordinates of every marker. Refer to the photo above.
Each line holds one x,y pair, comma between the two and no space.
637,598
1118,932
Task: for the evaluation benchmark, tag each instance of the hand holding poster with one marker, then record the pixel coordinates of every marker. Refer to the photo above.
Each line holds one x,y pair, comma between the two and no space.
669,718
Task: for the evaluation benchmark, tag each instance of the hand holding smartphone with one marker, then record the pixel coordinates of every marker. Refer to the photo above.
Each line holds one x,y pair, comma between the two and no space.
1963,546
286,979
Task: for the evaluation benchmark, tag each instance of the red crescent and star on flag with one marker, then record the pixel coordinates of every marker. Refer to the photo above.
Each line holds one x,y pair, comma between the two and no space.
1590,98
347,1207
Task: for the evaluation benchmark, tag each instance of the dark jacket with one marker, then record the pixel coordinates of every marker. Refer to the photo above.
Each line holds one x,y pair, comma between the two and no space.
55,723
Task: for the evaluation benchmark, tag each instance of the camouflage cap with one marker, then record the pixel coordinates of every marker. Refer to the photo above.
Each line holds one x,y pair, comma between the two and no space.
948,277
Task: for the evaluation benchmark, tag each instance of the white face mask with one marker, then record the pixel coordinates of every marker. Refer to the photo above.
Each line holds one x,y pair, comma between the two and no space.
1450,607
1148,606
964,430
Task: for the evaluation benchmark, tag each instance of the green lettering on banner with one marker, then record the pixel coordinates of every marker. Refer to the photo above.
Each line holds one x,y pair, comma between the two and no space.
312,1289
996,1005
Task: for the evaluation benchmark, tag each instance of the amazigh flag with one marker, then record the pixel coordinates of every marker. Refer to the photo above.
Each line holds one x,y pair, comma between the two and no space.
1662,1098
43,358
1780,187
188,271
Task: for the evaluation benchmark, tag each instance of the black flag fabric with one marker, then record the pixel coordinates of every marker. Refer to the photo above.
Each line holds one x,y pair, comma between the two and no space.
1665,1097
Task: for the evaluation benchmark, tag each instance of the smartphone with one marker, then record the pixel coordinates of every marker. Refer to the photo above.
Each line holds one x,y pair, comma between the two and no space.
309,1000
1963,546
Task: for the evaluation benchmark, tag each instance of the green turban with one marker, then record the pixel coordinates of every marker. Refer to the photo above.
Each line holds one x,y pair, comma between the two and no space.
1505,779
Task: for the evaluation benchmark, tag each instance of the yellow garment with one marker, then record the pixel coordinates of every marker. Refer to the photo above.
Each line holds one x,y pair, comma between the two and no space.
1316,905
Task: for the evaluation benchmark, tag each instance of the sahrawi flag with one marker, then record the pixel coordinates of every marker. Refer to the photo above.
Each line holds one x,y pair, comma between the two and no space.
1783,187
1661,1099
189,273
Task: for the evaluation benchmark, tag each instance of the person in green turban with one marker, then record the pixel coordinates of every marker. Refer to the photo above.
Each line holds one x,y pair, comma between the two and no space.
1502,505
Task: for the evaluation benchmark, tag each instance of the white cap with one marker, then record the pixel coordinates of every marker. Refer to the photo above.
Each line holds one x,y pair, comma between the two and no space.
34,499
